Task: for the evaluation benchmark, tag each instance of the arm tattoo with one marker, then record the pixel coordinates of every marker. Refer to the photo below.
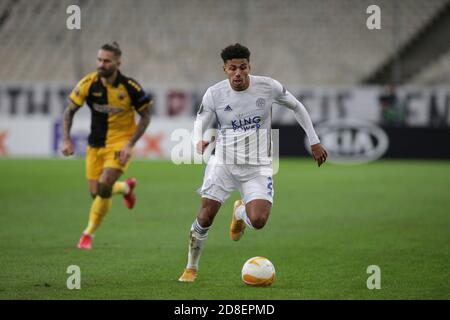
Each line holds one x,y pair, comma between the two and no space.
142,125
67,119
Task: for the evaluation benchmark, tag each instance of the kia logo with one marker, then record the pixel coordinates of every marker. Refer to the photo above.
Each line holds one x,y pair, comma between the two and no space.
351,140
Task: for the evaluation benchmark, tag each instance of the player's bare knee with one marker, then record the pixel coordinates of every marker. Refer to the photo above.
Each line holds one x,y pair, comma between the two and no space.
259,217
104,190
206,216
207,212
259,222
205,221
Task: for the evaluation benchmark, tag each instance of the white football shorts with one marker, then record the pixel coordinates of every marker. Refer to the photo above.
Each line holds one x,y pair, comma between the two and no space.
253,182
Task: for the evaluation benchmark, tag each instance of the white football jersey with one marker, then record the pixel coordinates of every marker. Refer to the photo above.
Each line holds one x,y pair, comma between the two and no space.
244,119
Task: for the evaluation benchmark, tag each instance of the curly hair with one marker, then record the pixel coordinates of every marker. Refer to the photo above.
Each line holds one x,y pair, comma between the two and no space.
235,51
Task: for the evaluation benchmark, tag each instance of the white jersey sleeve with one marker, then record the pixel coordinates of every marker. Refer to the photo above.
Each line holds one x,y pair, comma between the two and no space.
205,117
286,99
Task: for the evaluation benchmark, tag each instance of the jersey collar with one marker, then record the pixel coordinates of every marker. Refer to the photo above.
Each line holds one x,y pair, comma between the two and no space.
242,91
119,79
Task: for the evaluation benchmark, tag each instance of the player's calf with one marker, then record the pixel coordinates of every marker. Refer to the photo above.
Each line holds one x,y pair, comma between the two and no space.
99,208
197,238
208,211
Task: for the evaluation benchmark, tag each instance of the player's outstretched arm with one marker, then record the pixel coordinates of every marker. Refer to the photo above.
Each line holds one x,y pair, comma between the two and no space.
144,121
68,147
318,151
286,99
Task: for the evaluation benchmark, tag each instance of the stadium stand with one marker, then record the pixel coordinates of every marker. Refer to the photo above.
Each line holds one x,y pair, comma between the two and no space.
417,54
438,73
177,43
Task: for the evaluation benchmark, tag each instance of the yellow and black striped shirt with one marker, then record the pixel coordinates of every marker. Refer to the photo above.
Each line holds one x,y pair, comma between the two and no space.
112,107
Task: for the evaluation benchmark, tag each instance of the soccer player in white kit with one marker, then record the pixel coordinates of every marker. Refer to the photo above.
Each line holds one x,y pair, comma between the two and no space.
242,107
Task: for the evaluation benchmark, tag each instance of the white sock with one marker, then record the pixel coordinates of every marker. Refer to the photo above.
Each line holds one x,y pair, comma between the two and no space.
240,214
197,238
248,222
127,189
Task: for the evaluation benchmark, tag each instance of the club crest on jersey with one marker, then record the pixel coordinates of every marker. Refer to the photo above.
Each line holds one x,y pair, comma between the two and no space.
260,103
121,95
228,108
246,123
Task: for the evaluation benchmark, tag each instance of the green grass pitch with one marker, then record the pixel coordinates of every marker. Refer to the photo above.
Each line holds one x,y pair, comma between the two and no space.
327,226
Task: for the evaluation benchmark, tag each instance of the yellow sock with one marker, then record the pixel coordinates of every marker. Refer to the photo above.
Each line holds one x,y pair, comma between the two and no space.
120,188
99,209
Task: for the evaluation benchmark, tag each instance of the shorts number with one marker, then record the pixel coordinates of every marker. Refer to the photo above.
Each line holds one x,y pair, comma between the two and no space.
269,186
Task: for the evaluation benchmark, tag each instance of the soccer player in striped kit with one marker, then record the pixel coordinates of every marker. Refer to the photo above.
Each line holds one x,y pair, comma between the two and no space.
114,99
